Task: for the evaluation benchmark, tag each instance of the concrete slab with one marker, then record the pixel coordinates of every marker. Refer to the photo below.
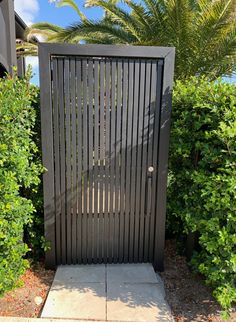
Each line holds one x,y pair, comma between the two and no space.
137,302
80,273
75,300
131,273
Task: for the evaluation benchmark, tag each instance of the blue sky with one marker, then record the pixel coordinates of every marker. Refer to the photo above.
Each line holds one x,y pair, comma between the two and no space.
32,11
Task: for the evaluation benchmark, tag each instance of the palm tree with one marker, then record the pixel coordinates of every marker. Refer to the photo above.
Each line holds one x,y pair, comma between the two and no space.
203,31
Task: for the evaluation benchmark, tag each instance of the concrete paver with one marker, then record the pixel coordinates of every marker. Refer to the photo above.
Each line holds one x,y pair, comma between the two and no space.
136,302
76,300
81,273
78,291
131,273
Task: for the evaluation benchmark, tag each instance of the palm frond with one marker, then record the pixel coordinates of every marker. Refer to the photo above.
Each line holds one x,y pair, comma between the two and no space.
213,15
95,30
120,17
43,28
26,49
72,4
139,13
216,23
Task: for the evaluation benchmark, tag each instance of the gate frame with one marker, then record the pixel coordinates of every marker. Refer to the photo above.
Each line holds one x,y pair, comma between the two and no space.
167,54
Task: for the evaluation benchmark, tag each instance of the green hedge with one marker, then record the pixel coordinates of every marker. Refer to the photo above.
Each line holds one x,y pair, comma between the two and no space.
18,171
202,181
34,231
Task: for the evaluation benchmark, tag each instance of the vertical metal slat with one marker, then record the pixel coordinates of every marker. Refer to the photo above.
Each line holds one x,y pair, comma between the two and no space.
62,157
68,159
74,163
128,159
90,161
137,238
112,159
144,228
101,162
79,157
57,161
107,160
133,161
96,147
85,163
123,159
117,160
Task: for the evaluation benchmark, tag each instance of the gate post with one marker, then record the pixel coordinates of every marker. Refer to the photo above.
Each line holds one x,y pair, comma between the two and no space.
164,136
47,154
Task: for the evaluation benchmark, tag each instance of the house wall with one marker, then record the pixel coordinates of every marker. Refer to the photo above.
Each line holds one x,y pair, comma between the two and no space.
20,35
7,36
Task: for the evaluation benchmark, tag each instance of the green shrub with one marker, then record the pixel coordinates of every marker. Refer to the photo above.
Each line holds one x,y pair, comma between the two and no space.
18,171
202,183
34,231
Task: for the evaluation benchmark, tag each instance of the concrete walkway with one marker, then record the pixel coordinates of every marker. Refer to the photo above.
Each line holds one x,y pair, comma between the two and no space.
112,292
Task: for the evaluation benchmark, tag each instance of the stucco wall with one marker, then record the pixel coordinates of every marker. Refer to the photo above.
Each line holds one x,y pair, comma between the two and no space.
7,34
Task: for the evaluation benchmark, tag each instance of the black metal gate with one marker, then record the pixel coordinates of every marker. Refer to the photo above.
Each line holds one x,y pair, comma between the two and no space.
105,113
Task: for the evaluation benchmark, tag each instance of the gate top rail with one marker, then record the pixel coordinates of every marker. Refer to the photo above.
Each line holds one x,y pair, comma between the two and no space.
107,50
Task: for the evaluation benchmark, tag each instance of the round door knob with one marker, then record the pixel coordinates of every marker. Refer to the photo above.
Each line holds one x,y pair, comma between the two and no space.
150,169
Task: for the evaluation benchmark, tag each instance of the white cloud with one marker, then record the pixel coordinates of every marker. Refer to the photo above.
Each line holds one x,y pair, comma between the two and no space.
27,10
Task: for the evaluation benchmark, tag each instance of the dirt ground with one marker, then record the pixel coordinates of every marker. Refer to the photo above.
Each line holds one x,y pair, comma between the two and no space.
188,297
25,301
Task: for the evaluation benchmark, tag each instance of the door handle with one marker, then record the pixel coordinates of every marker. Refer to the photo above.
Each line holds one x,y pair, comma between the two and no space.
150,169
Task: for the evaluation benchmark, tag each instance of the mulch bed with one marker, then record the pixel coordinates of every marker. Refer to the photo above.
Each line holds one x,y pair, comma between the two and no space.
189,298
25,301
